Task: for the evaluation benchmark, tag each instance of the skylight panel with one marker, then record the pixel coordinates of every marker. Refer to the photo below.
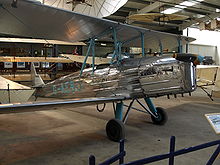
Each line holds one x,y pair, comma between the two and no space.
181,6
170,10
188,3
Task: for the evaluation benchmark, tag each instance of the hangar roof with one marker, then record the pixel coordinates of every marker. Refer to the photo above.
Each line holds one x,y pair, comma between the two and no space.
197,11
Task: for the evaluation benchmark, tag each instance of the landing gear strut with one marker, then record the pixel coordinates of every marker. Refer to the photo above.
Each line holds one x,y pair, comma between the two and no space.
115,128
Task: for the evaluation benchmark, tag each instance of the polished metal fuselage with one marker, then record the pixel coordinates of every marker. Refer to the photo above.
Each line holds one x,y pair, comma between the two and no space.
133,78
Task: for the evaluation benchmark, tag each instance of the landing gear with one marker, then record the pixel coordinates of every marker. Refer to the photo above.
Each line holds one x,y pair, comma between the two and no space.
161,118
115,130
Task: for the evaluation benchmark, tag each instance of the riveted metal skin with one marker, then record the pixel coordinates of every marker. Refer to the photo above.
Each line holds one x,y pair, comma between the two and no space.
133,78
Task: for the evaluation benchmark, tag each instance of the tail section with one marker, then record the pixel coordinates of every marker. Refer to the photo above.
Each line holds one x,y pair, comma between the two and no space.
36,78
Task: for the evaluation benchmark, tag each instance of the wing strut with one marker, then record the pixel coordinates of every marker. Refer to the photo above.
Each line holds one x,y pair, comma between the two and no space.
91,47
117,45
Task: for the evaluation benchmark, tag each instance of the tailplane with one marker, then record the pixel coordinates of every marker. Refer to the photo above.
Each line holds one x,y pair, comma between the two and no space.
36,78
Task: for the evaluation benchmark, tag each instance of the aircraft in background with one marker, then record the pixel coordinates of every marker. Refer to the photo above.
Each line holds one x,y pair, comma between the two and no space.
120,79
15,68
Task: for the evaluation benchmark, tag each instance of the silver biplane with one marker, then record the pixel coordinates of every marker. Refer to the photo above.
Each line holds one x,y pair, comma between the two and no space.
121,79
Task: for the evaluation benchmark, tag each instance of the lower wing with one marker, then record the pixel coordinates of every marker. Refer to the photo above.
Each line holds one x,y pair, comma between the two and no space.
39,106
76,58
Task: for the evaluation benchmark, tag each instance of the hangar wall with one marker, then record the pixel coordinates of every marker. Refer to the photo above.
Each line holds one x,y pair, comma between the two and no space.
100,51
207,43
205,50
218,56
24,49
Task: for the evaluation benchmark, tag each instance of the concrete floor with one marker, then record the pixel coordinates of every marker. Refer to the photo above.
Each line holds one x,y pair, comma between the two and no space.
69,135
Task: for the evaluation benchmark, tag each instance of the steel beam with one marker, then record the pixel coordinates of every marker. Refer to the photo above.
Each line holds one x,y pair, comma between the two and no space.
151,7
203,19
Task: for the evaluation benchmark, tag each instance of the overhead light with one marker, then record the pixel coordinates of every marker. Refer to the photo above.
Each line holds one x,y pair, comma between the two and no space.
188,3
217,10
41,1
199,16
181,7
170,10
102,44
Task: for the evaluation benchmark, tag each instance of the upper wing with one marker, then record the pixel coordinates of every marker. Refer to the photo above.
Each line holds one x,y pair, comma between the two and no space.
23,107
33,19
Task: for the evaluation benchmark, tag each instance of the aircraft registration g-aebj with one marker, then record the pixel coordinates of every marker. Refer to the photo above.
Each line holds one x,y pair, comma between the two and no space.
122,79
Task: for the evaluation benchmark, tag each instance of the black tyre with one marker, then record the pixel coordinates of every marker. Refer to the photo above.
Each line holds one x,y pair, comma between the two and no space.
115,130
162,117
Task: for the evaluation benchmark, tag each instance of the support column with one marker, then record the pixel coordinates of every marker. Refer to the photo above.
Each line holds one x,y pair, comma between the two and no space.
187,43
180,46
161,48
32,51
142,44
119,111
93,56
55,53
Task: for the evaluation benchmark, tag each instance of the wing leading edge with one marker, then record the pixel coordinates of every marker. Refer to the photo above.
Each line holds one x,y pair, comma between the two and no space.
35,20
39,106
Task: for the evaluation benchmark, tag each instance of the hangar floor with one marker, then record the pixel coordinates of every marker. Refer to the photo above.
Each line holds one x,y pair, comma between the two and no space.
69,135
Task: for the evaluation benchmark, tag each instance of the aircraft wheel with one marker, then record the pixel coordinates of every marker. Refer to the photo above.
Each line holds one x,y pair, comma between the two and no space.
162,117
115,130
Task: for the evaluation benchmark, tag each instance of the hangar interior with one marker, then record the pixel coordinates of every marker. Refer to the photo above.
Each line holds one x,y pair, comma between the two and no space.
68,124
